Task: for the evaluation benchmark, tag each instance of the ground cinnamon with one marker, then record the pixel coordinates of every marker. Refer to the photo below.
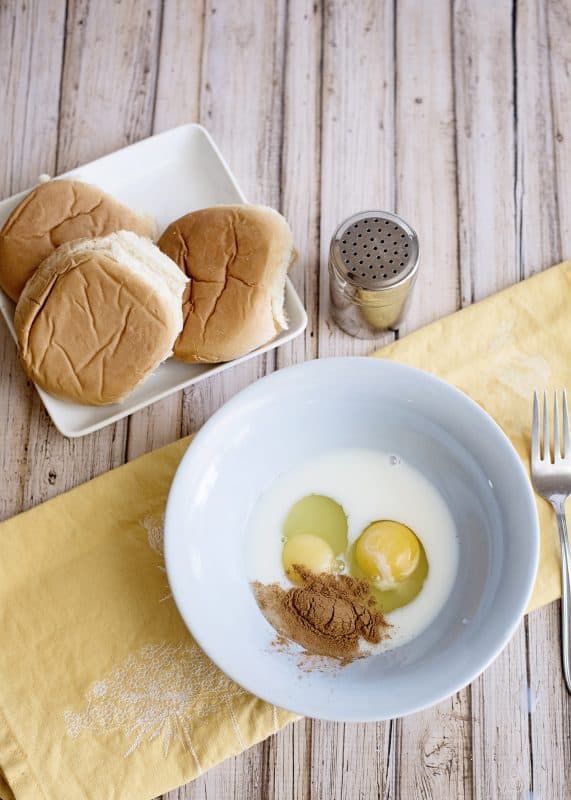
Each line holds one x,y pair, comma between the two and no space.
326,614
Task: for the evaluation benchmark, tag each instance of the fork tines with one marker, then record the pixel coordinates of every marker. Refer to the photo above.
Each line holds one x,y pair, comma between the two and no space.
542,448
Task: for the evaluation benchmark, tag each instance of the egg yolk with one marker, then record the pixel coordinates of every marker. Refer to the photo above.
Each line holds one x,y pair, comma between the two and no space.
388,552
307,551
320,516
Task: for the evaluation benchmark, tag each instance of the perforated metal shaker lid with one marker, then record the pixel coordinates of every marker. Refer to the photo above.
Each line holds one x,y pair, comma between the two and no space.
375,250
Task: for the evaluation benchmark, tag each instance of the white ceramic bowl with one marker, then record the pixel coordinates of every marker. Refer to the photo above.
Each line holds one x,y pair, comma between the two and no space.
294,414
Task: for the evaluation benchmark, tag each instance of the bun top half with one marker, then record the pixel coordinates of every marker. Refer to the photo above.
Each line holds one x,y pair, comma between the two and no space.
98,316
54,213
237,258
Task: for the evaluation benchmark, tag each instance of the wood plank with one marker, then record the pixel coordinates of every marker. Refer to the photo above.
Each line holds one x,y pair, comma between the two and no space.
31,53
357,172
433,747
300,164
434,751
106,103
484,79
426,178
108,79
358,136
287,755
501,749
176,102
548,705
353,760
537,225
327,761
543,54
369,761
559,28
243,110
291,772
489,204
177,99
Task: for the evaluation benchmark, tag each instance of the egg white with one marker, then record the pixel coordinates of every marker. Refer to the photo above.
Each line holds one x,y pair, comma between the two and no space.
369,485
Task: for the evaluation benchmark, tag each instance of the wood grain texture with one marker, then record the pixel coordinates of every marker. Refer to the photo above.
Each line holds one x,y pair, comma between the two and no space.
99,112
358,134
433,747
548,705
484,80
426,175
300,163
486,103
291,778
249,133
177,97
288,754
352,761
457,119
108,79
559,30
176,101
31,52
538,227
247,126
357,172
434,751
500,738
543,48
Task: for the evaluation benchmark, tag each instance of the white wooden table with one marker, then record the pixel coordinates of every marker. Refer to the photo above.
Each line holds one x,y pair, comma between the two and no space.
455,113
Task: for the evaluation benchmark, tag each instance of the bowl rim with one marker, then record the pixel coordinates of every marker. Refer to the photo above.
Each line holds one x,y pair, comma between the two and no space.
173,545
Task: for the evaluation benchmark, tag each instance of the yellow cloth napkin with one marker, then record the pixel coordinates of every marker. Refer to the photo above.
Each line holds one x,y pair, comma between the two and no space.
103,693
498,351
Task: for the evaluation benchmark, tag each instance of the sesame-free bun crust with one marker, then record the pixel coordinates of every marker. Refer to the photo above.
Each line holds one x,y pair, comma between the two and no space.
54,213
237,258
98,316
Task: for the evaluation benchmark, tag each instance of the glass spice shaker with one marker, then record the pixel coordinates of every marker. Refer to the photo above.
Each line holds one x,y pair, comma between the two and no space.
373,261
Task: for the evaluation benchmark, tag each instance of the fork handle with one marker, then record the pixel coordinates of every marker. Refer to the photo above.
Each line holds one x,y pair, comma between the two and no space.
565,593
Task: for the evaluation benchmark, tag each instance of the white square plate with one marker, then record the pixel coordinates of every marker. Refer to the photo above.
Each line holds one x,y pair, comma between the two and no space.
166,176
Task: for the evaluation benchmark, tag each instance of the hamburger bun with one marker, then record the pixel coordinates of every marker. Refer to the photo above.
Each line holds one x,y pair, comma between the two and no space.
54,213
237,258
98,316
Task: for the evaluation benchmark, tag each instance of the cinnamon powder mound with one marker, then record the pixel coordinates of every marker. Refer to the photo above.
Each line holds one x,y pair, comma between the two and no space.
327,614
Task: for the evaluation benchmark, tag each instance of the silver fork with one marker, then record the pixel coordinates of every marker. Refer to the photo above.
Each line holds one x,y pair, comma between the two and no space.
551,475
